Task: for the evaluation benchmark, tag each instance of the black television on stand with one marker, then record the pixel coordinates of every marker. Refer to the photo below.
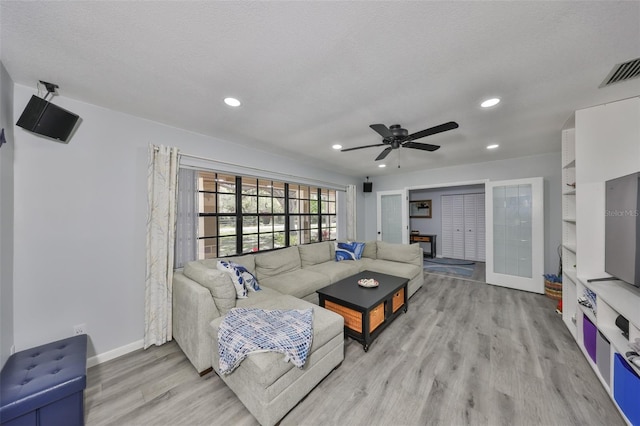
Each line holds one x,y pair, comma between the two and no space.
622,228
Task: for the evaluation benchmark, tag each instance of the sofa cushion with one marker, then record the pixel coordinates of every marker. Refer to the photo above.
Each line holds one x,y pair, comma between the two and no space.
336,271
266,368
300,283
405,270
277,262
399,252
258,297
247,260
370,250
313,254
363,264
219,284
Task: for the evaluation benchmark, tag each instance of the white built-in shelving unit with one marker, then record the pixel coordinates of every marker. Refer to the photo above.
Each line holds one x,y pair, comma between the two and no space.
605,144
569,246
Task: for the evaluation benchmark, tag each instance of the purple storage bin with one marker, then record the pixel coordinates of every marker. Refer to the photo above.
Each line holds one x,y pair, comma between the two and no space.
589,333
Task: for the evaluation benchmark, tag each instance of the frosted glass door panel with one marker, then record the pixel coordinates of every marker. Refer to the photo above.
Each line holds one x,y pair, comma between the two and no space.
393,216
391,226
512,230
499,230
515,250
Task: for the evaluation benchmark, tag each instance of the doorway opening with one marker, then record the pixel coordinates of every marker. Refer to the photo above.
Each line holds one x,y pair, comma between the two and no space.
452,234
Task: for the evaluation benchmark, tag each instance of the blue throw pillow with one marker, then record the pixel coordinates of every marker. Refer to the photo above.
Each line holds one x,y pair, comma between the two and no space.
349,251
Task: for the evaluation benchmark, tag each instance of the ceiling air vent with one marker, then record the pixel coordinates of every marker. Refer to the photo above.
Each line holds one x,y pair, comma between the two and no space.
623,72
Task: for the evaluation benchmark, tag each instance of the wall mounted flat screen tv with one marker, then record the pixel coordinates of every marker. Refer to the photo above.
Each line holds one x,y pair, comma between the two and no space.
622,227
47,119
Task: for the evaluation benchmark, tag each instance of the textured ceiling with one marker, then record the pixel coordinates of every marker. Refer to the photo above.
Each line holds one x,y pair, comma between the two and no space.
311,74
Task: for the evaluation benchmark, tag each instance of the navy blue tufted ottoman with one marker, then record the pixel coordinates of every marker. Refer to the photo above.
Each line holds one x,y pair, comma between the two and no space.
44,386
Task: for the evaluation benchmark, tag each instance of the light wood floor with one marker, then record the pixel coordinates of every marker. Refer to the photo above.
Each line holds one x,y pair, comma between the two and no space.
464,353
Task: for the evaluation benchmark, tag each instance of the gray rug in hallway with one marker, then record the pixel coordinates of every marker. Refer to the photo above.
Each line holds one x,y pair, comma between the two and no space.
463,268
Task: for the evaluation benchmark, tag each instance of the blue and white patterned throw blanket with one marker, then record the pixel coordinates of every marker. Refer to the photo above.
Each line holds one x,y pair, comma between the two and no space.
249,330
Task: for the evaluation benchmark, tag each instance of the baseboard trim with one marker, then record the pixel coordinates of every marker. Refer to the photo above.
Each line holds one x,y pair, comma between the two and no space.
115,353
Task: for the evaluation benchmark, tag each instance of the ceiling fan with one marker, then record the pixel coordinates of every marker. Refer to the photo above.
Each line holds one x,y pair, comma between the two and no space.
395,137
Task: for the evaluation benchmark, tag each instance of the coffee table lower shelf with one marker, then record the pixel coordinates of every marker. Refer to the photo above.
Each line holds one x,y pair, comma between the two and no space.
364,325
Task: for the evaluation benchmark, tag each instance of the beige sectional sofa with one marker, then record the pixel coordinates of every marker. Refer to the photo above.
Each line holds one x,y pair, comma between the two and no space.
289,278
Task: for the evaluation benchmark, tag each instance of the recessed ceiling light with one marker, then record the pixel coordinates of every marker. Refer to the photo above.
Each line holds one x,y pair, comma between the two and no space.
490,102
494,146
382,165
337,146
232,102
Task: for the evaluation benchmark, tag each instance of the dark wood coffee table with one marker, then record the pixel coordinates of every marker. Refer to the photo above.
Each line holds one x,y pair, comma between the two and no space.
366,311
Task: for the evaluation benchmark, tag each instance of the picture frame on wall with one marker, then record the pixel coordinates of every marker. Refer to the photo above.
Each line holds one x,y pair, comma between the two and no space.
420,209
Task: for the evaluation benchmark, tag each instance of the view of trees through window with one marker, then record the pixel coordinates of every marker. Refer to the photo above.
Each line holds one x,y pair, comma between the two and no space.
239,214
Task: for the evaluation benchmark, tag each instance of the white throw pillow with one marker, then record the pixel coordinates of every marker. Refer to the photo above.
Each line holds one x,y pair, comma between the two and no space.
242,279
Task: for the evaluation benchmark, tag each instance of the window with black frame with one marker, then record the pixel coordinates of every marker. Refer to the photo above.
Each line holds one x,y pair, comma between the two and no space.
241,214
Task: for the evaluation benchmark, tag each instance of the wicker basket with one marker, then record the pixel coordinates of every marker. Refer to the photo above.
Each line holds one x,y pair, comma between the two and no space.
553,290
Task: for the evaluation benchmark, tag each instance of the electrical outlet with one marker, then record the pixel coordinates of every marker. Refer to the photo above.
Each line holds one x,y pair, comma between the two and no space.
79,329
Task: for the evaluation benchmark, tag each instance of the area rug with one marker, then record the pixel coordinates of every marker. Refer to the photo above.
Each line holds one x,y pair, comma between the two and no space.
447,266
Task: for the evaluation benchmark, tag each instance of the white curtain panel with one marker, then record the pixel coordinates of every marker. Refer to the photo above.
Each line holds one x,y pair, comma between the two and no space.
162,179
351,212
187,217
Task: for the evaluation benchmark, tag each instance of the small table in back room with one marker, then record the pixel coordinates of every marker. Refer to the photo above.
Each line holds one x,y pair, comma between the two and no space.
425,238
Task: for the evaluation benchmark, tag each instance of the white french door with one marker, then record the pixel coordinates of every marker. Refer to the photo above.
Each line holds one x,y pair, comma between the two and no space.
515,230
393,216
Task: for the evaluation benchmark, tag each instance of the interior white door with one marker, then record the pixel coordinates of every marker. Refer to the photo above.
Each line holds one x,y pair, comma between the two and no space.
470,228
393,216
463,226
515,226
446,207
458,226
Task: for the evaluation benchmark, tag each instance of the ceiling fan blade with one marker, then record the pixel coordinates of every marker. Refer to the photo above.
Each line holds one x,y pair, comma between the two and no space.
360,147
433,130
422,146
383,154
382,130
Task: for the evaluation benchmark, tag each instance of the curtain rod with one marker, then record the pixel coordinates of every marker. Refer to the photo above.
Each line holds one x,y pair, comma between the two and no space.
197,157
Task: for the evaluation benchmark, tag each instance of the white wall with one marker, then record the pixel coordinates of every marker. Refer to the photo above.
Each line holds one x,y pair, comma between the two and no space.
607,147
80,213
6,216
548,166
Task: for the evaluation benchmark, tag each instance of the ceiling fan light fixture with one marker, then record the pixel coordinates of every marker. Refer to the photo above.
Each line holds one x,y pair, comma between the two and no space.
490,102
232,102
493,146
382,166
337,146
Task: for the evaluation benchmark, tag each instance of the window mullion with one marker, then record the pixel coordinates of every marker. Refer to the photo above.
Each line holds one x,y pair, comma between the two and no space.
319,214
238,214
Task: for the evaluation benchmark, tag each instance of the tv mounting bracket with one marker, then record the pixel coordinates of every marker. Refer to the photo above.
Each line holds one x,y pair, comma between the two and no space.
51,88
